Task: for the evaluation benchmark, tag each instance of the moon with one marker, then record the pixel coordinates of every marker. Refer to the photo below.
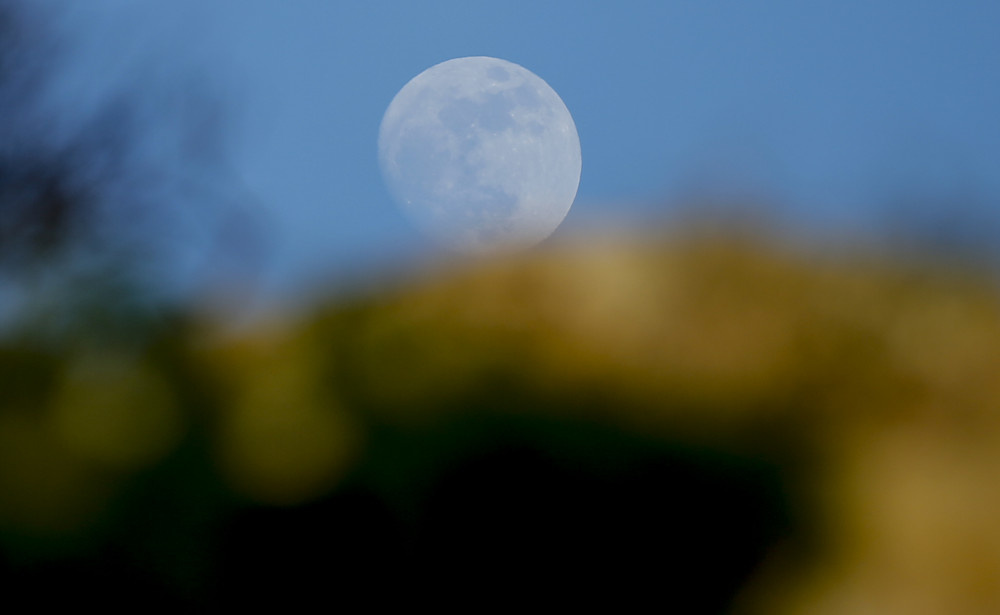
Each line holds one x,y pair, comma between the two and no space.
481,154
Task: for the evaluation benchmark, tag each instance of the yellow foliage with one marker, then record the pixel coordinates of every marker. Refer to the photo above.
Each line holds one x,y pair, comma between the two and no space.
888,374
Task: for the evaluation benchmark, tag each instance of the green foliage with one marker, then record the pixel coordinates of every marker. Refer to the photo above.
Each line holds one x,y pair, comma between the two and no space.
749,413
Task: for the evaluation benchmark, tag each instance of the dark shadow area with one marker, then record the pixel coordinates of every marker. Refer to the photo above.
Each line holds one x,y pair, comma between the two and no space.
514,525
627,523
497,520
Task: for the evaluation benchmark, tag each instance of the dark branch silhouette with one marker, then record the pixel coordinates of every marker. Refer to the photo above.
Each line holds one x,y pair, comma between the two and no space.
111,208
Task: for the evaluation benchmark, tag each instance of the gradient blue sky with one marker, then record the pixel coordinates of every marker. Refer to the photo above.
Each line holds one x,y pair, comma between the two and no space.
828,107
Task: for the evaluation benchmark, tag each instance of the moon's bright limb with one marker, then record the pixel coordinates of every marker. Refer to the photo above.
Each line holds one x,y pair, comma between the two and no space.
481,153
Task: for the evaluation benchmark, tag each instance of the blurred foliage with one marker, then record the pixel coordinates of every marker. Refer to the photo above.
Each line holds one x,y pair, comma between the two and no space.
718,424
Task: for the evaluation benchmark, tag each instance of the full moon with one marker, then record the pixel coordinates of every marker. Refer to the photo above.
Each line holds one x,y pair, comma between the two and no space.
481,154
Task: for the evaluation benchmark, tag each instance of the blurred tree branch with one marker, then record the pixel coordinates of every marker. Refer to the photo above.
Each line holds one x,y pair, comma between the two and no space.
102,209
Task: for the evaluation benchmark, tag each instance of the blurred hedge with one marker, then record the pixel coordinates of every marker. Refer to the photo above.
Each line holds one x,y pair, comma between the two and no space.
714,424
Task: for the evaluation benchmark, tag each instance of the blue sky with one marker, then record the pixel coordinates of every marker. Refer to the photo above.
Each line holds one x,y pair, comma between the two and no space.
828,108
